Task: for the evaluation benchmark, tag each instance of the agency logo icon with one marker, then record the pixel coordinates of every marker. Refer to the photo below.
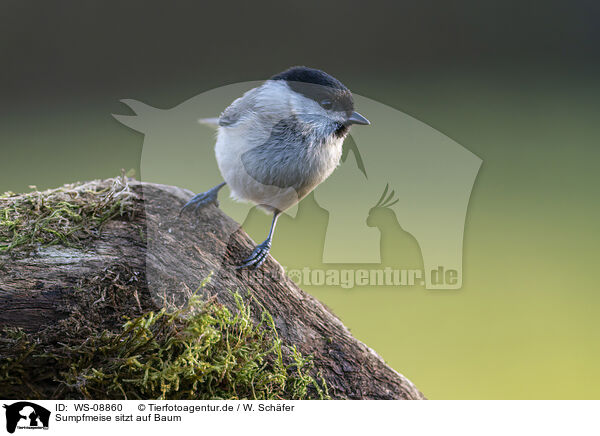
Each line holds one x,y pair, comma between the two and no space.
27,416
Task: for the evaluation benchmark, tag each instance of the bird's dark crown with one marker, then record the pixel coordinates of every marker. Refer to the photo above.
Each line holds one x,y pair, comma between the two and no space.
318,86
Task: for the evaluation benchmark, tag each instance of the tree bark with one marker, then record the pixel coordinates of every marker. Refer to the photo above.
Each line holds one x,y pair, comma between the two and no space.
172,255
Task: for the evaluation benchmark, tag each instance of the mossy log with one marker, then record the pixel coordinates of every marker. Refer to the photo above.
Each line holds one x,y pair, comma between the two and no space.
135,253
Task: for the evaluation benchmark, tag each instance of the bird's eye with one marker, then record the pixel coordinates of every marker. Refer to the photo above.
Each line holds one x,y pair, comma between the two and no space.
326,104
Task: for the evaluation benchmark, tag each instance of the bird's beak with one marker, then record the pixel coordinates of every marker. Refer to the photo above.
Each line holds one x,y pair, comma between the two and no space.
357,118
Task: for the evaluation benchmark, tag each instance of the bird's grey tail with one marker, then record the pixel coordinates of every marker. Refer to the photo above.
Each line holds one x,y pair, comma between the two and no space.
211,122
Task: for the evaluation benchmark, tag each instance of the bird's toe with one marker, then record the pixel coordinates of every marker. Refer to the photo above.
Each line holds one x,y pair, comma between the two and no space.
257,258
199,201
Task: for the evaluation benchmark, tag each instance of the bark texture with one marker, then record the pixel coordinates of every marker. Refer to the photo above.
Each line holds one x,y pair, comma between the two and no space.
170,256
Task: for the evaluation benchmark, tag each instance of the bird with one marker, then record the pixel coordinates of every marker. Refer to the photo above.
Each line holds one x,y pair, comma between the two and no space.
278,142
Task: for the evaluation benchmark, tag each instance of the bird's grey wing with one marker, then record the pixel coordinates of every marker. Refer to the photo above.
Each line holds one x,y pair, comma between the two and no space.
277,162
240,107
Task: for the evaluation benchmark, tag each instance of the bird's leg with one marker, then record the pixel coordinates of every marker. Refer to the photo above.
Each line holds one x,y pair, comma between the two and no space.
204,198
259,255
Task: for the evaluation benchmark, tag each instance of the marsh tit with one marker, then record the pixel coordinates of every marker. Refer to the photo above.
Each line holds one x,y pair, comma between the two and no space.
278,141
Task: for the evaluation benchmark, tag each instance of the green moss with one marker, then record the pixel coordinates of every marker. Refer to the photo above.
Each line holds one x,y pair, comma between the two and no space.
67,216
112,344
202,351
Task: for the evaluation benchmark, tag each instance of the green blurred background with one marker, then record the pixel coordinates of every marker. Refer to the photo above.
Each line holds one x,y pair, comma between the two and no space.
514,82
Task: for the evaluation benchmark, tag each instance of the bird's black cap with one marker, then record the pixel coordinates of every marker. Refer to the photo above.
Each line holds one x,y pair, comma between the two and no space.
318,86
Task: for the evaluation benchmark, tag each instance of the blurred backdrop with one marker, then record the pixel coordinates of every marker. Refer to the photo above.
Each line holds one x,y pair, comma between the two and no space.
514,82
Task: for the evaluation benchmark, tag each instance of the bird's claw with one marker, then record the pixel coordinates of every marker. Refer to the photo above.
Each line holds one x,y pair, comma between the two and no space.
201,200
258,256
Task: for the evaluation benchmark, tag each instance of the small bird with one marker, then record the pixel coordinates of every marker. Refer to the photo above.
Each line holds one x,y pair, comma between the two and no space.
278,141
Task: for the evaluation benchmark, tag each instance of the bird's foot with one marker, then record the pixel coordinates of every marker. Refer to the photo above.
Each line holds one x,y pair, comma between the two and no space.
258,256
203,199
